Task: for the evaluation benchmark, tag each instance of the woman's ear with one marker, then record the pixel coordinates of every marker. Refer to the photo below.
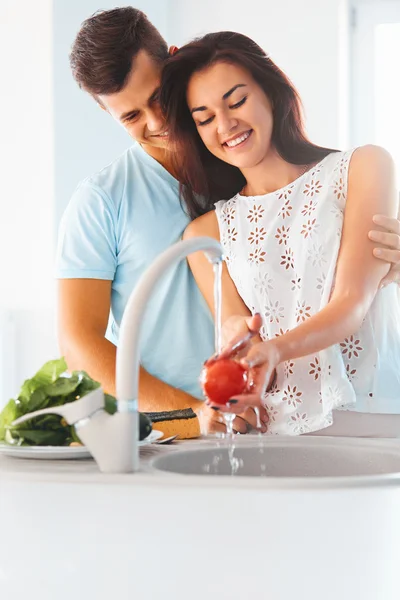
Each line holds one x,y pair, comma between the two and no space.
172,50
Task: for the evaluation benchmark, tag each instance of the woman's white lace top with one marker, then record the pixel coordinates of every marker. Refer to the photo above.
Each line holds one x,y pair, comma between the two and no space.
281,250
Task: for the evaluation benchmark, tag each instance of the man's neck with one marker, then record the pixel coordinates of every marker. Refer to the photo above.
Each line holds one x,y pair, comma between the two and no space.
163,157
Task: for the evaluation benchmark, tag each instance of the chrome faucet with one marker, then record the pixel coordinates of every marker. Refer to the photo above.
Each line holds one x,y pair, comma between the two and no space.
113,439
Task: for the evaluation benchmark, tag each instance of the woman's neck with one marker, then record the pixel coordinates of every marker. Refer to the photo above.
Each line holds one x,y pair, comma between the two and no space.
271,174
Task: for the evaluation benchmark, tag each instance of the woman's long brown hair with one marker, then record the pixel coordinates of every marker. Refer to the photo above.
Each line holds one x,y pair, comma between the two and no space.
204,177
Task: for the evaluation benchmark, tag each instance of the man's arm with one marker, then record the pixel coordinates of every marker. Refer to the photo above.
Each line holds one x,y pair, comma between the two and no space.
83,310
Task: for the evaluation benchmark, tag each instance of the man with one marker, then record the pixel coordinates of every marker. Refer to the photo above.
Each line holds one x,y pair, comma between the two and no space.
121,218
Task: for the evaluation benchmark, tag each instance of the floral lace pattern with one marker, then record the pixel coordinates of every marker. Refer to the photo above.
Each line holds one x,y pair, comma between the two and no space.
281,252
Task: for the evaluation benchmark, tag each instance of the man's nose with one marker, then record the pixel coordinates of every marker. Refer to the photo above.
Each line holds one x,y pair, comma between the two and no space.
155,121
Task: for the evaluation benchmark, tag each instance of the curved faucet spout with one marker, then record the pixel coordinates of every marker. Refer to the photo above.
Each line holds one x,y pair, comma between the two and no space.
128,351
113,439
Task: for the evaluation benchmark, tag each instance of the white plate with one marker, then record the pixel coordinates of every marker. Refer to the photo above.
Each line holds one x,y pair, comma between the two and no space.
152,437
45,452
62,452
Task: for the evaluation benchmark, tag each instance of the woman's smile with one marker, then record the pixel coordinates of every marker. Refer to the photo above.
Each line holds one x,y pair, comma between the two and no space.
238,141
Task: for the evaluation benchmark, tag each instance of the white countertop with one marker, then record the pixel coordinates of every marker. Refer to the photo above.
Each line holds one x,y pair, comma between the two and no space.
86,471
69,531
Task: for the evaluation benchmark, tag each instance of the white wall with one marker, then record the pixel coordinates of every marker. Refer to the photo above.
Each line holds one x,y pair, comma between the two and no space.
308,40
26,153
27,190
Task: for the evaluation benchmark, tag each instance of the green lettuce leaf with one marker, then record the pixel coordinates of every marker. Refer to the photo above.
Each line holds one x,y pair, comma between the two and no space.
50,386
7,416
48,374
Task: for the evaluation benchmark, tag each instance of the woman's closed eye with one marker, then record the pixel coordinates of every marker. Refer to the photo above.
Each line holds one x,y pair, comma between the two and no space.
240,103
233,106
206,122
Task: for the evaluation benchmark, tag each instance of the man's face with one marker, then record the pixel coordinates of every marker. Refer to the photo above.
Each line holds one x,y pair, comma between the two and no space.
137,107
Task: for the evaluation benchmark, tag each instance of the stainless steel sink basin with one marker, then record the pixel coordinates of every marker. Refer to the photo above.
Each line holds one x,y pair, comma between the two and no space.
300,457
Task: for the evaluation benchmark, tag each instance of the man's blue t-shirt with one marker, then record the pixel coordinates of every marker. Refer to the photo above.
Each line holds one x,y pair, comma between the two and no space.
117,222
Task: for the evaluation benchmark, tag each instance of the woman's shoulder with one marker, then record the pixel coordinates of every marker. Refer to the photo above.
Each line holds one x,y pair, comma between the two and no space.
371,161
371,154
356,160
206,224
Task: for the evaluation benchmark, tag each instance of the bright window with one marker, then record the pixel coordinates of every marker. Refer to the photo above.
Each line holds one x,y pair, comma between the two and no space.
387,88
376,75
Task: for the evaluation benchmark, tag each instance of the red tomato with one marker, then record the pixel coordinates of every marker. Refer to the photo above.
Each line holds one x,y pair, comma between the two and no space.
223,379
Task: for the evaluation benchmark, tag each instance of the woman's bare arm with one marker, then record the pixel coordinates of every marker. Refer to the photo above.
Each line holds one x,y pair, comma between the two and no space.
371,190
232,303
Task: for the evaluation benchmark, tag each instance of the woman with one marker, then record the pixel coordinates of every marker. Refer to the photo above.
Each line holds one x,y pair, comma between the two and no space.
294,226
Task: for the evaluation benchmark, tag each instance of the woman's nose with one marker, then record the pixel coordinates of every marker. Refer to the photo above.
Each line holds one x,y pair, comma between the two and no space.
226,124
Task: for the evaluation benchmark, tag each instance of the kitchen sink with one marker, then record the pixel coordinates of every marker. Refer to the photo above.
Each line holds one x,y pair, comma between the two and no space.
286,457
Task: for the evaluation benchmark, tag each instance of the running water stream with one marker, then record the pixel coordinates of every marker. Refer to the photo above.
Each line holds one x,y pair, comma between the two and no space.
228,417
217,268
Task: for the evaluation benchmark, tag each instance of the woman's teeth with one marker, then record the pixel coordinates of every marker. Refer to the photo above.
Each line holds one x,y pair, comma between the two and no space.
238,140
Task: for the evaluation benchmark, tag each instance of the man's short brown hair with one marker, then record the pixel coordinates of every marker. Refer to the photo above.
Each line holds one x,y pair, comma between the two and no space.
102,54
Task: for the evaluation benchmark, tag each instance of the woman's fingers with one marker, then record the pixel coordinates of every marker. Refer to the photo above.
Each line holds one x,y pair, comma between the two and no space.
212,421
241,402
260,379
236,405
257,356
240,341
237,344
243,407
254,323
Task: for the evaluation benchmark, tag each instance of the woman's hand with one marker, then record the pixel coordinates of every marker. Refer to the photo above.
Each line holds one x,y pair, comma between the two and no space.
390,240
211,420
262,360
260,375
237,336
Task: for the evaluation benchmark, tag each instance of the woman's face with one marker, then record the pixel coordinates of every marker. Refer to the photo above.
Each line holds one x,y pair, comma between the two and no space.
232,114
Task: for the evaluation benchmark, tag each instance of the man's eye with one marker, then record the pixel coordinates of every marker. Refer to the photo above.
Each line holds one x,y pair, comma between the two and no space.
155,97
131,117
240,103
206,122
